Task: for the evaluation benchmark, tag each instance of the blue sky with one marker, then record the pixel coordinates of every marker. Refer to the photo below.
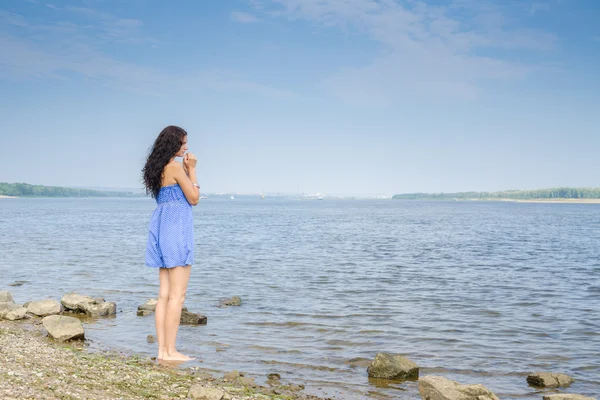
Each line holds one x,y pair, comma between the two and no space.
329,96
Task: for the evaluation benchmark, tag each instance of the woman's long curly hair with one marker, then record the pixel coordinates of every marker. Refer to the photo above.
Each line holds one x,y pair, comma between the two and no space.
165,147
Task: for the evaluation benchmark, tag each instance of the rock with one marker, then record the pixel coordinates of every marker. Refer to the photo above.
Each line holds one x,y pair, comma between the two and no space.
94,307
6,307
392,367
206,393
232,376
44,308
6,297
102,309
149,306
247,381
439,388
63,328
294,388
274,377
150,339
17,283
16,313
76,302
549,380
235,301
565,396
188,318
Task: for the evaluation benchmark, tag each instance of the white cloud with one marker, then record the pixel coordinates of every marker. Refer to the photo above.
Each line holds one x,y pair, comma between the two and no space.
57,50
244,17
426,51
110,27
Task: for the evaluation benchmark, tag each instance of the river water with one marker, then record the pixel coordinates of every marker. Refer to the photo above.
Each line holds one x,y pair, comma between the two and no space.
478,292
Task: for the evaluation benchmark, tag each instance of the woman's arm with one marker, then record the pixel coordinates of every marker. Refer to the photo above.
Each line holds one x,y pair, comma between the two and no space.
188,182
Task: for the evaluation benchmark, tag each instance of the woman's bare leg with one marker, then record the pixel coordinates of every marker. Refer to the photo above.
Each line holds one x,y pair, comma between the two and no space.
178,281
161,310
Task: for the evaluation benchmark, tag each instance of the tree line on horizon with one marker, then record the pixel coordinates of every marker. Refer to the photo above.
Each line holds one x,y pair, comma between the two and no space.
27,190
552,193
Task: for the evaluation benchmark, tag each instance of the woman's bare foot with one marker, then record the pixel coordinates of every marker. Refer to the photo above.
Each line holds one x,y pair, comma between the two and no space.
170,363
176,356
161,354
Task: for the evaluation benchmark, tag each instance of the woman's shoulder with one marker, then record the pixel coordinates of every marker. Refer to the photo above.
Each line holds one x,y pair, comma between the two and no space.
171,170
174,165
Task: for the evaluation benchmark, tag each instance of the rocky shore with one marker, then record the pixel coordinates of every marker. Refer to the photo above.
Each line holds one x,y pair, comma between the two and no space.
33,366
43,355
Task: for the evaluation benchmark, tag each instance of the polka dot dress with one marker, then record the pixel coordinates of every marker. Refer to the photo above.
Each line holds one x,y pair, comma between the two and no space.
171,234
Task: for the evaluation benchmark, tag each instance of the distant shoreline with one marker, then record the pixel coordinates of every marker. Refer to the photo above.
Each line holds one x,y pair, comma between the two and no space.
558,201
8,197
12,190
553,201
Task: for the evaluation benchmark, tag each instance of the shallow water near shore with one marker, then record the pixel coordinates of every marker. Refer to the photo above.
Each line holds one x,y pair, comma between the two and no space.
475,292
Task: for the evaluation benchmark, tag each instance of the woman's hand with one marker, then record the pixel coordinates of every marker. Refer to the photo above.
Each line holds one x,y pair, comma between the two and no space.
189,162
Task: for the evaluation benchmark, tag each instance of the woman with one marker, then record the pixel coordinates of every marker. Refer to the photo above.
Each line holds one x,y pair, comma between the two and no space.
170,244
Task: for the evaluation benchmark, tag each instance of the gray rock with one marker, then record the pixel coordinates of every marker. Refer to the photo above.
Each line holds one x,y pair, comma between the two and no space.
44,308
565,396
231,376
274,376
294,388
144,313
150,339
235,301
6,297
63,328
206,393
440,388
149,305
105,309
247,381
6,307
76,302
94,307
549,380
16,313
189,318
389,366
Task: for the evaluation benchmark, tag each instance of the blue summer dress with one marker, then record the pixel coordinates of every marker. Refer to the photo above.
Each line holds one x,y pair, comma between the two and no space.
171,234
